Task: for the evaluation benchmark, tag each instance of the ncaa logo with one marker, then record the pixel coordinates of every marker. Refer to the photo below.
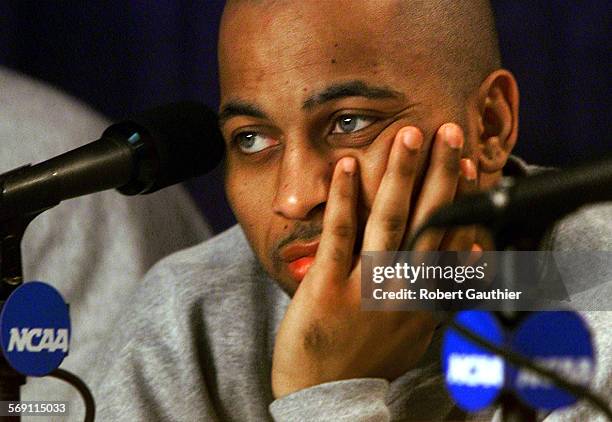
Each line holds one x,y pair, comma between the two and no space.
35,329
46,339
557,340
474,377
474,370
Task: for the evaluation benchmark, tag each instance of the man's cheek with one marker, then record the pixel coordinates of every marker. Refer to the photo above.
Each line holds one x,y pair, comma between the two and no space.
373,161
246,201
257,232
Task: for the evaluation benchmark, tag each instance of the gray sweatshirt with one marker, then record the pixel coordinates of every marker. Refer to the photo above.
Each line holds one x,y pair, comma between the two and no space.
197,341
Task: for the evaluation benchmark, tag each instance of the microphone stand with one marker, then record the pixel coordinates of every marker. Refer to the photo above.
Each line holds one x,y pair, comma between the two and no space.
590,183
12,228
11,277
13,224
512,239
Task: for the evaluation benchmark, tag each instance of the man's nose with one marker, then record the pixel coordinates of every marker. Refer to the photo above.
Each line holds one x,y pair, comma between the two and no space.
303,182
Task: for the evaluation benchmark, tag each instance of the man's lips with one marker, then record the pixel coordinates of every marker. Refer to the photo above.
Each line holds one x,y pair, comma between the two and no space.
299,257
300,267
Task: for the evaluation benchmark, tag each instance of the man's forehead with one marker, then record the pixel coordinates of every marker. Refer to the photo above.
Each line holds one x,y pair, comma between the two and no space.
426,44
303,32
308,48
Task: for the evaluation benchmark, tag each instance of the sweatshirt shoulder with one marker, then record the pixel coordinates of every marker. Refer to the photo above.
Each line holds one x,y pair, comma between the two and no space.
220,251
589,228
226,258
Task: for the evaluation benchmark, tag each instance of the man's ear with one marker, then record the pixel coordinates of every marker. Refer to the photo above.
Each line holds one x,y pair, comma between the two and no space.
498,104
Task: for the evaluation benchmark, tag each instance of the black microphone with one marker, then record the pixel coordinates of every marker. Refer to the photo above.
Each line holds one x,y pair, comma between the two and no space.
535,200
143,154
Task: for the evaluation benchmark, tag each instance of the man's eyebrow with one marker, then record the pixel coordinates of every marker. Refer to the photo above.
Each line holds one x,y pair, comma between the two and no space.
350,89
239,108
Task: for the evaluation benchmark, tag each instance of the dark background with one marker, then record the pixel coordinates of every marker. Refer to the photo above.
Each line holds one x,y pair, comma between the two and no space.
125,56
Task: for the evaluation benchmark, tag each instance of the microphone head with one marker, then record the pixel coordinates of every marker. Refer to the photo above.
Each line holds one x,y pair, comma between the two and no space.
172,143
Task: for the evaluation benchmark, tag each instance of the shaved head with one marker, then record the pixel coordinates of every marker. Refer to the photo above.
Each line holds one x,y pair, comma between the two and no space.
460,34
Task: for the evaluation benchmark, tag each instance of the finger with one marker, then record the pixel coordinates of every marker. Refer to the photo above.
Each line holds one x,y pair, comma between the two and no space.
388,220
462,238
475,254
335,253
467,184
439,184
458,240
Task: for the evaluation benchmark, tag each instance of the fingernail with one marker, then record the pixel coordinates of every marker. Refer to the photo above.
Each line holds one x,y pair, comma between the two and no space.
349,165
453,135
468,169
411,138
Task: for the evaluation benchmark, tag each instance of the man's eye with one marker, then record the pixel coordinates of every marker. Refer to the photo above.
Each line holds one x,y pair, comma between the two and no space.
350,124
253,142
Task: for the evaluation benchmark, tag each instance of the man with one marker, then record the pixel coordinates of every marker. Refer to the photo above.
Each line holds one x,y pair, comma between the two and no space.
93,249
346,124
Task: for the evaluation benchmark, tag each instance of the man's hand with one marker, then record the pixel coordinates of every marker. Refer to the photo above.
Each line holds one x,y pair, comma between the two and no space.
325,336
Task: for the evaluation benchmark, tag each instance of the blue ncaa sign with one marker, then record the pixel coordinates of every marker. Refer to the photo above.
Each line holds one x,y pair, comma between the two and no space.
559,341
35,329
474,377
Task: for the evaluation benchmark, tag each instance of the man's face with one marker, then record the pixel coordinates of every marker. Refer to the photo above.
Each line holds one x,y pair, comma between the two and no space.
302,85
